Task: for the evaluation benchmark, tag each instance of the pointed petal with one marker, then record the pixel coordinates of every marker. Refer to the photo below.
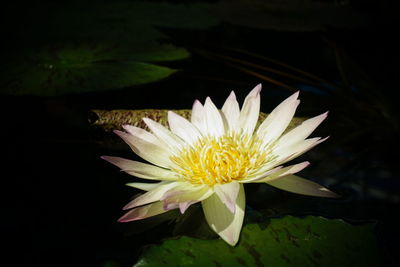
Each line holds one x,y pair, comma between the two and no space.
183,128
298,185
282,156
143,134
228,194
149,151
146,186
225,223
143,212
286,154
198,117
231,111
151,196
183,206
263,172
142,170
282,172
184,197
302,131
250,111
277,121
164,134
214,122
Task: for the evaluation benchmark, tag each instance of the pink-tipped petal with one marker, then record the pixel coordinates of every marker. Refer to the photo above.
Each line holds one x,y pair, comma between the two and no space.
225,223
302,131
151,152
142,170
143,212
143,134
183,206
151,196
185,196
305,146
170,206
298,185
228,194
231,111
250,111
145,186
164,134
254,92
283,172
183,128
277,121
262,172
286,154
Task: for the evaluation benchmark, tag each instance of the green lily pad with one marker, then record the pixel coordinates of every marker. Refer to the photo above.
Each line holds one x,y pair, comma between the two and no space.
287,241
85,68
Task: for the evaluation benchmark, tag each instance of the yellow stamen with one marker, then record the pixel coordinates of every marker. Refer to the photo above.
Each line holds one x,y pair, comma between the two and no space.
219,160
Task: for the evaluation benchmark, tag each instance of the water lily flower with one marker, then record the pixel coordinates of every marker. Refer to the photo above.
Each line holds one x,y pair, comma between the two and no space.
209,158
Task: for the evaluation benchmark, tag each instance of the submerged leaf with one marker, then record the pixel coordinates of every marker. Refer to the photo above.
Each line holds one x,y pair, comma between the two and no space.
287,241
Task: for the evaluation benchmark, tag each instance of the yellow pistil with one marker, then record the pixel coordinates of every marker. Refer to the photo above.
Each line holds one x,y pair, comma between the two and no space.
219,160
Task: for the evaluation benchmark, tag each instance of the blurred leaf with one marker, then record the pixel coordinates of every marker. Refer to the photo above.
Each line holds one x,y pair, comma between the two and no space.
297,16
85,68
114,119
125,22
287,241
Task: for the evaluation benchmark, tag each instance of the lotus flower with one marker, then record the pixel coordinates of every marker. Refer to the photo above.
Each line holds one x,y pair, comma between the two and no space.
209,158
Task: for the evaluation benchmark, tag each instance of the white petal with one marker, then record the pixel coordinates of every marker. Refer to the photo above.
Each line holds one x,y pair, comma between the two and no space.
183,128
231,111
282,172
164,134
198,117
298,185
186,197
277,121
151,196
263,172
142,170
143,134
225,223
143,212
228,194
302,131
146,186
286,154
250,111
282,156
214,122
149,151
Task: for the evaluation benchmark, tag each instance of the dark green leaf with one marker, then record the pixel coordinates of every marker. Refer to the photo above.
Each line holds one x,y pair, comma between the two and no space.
86,68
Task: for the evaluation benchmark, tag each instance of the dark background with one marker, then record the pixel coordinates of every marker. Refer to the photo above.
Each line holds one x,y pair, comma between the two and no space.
62,202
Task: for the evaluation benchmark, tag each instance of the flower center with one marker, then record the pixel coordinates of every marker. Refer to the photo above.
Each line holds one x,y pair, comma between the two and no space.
219,160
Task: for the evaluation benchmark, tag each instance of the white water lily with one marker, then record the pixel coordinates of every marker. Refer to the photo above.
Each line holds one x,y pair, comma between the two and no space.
210,157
